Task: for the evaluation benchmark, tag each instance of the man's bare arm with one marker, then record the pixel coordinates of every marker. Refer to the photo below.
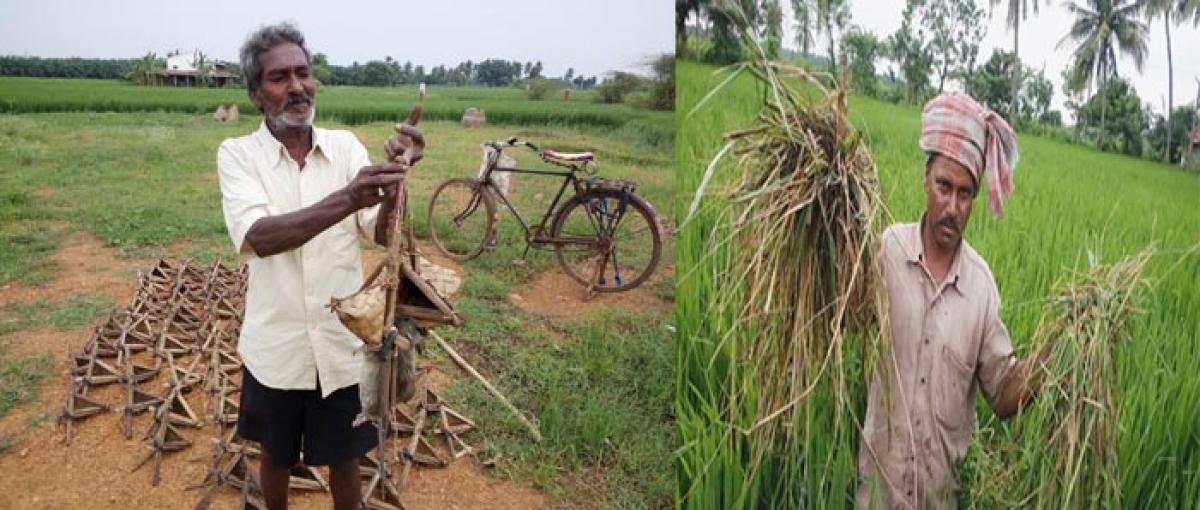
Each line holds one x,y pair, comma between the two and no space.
277,234
1022,384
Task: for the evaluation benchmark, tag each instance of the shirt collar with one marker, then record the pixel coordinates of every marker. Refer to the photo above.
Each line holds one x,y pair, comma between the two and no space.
916,254
320,143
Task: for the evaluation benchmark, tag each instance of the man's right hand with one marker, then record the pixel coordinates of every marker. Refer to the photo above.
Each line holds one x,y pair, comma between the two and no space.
375,183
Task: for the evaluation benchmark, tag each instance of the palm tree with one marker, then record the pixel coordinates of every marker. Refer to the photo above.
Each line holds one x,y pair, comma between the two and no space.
1018,10
802,11
1101,29
684,10
727,18
830,13
144,69
772,18
204,69
1177,10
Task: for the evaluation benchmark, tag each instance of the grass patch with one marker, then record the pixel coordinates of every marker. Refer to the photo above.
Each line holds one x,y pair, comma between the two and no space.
603,409
71,313
25,254
178,198
8,442
20,380
25,239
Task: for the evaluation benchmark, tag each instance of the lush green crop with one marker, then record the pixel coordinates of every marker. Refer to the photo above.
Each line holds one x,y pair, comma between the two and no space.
1068,200
350,105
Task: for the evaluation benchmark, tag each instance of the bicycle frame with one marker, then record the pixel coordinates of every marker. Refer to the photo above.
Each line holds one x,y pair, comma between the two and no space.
534,234
602,203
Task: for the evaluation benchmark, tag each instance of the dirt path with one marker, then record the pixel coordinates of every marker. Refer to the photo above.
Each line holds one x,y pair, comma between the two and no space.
554,294
94,472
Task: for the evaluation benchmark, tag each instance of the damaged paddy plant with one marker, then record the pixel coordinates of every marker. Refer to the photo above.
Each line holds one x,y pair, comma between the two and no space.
792,252
1064,453
1116,423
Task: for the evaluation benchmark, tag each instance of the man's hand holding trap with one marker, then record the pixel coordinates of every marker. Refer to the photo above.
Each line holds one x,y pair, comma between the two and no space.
403,150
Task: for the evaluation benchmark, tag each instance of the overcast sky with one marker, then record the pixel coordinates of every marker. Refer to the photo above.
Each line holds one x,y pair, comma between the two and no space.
1040,34
593,37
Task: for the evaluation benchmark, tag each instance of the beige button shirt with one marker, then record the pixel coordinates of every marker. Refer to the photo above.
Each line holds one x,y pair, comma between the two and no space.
288,336
947,338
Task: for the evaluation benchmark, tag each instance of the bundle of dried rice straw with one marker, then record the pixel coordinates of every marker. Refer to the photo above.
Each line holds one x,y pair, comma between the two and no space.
800,290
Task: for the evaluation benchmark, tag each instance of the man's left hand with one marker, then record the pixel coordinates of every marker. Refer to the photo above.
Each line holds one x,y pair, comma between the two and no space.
408,146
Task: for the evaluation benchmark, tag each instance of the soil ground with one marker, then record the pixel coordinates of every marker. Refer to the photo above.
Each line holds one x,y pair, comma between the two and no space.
94,471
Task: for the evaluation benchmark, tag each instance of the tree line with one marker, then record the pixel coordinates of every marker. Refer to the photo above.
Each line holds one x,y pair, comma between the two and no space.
97,68
490,72
937,43
655,92
386,72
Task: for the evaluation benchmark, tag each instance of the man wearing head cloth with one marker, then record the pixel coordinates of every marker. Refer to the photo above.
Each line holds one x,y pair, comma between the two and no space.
944,312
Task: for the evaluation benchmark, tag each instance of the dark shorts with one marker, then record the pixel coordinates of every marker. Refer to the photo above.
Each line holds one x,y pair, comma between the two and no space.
281,421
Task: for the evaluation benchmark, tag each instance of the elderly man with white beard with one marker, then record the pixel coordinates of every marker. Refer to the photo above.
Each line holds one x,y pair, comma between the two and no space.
296,199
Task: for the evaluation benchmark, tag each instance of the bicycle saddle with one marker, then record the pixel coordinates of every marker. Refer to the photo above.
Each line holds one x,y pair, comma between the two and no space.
568,156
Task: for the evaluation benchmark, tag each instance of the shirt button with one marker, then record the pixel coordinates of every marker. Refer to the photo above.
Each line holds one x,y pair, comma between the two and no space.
926,341
922,380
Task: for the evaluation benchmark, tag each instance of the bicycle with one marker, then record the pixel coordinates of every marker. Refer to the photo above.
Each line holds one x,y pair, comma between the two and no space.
604,235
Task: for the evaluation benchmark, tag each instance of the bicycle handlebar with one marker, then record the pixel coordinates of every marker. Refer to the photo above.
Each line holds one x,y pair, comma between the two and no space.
512,142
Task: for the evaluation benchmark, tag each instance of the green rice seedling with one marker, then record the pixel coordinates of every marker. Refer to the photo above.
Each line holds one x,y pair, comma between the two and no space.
1065,452
798,294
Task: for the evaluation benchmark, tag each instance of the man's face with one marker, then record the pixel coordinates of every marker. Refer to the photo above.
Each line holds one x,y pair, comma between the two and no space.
949,191
286,95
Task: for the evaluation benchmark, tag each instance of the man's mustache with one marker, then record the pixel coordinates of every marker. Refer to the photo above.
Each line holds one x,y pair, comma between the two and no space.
296,99
949,222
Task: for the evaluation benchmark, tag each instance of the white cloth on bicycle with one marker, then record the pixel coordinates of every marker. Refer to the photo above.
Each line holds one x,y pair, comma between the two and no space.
288,336
503,180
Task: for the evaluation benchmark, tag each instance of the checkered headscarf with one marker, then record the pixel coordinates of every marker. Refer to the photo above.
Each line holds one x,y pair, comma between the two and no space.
956,126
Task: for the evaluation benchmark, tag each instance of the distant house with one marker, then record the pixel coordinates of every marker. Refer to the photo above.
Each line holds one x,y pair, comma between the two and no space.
181,71
1191,155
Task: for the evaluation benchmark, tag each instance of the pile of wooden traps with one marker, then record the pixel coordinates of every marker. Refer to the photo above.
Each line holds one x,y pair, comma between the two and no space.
184,322
177,339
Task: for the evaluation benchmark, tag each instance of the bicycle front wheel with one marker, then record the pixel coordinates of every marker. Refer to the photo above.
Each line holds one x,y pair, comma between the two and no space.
462,217
607,239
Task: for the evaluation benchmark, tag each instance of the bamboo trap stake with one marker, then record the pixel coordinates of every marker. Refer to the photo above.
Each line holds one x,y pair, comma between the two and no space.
163,437
78,407
462,363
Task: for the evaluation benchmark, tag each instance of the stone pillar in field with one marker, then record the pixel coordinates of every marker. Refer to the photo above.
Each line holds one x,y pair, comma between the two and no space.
227,112
474,117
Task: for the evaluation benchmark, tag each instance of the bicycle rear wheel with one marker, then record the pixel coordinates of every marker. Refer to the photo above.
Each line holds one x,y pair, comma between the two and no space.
607,239
462,217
